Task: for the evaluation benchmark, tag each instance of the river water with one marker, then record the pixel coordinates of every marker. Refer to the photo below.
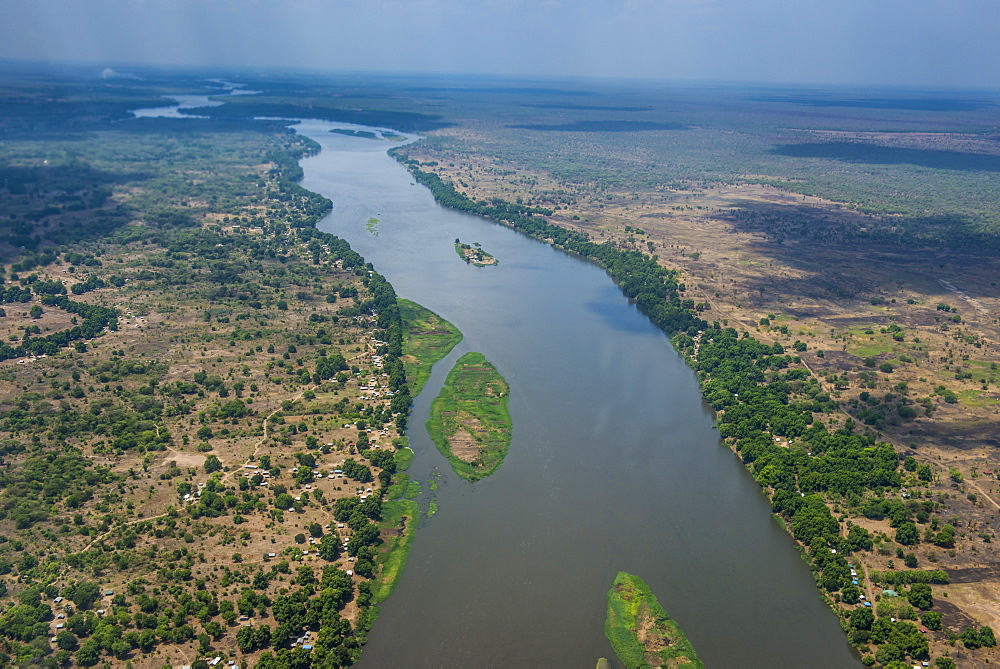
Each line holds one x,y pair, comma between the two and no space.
614,465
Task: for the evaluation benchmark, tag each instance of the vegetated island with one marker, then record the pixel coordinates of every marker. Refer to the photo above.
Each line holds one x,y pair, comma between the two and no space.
366,134
427,339
371,225
472,253
469,421
641,632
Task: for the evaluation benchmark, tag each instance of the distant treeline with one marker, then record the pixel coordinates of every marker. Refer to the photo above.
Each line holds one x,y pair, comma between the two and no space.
400,120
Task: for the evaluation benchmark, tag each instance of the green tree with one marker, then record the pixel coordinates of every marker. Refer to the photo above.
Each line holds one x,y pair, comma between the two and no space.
862,619
212,464
931,620
920,596
907,534
89,653
83,594
329,547
66,640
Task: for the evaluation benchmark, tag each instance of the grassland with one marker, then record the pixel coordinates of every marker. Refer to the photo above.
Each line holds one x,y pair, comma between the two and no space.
428,339
641,632
469,421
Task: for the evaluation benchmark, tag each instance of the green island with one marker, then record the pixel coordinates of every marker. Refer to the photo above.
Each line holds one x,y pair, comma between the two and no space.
427,339
641,632
469,421
365,134
474,255
371,225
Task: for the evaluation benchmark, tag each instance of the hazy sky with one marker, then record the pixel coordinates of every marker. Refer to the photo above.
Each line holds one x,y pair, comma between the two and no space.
905,42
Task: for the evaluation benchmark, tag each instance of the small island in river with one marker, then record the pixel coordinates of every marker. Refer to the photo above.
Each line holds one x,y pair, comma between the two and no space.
469,421
641,632
472,253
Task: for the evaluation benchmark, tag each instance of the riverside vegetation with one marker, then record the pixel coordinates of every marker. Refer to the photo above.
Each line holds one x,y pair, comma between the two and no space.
203,397
427,339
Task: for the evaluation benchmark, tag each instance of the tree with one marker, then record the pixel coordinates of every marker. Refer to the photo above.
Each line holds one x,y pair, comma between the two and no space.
329,547
35,312
931,620
83,594
907,534
946,537
862,619
245,639
66,640
850,594
212,464
920,596
89,653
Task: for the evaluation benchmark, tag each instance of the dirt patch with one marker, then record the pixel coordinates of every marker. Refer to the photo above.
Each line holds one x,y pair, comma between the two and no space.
463,443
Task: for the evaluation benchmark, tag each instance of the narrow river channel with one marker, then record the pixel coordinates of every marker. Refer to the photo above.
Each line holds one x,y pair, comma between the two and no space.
615,463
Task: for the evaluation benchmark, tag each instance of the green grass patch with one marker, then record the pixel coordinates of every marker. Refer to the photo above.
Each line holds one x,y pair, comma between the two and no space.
400,486
428,339
633,607
472,410
403,458
869,345
398,526
975,398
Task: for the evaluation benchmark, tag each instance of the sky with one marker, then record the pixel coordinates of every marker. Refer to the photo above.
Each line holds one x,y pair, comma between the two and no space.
951,43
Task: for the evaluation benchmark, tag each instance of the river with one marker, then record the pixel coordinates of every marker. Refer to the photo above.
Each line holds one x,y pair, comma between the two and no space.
614,465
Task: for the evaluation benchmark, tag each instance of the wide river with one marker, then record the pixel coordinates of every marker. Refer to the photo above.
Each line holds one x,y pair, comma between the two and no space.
615,463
